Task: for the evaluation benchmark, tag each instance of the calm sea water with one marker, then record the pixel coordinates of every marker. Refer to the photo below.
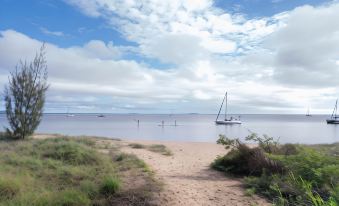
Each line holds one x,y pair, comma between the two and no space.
190,127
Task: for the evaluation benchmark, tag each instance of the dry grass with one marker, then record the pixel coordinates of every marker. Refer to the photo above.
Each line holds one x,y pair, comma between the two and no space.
157,148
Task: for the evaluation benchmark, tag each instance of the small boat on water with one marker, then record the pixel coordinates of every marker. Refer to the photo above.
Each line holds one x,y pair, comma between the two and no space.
334,118
69,114
308,112
101,115
226,121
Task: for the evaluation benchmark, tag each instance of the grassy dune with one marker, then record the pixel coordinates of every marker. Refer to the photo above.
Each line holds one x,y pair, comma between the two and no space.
286,174
71,171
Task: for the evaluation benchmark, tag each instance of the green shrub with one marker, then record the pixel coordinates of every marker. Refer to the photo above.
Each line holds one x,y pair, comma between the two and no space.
287,174
9,188
110,186
250,191
242,160
268,144
335,193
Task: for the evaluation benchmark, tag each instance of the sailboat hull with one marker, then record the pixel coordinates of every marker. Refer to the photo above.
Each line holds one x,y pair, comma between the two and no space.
227,122
332,121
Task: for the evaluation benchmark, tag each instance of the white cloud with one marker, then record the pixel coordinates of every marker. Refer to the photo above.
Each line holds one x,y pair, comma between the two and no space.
281,63
148,22
98,49
306,48
52,33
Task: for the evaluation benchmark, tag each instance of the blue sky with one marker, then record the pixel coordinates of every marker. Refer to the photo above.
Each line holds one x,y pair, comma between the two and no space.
31,16
154,56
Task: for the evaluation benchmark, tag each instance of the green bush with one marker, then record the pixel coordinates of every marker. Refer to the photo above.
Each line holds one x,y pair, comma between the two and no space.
287,174
110,186
243,160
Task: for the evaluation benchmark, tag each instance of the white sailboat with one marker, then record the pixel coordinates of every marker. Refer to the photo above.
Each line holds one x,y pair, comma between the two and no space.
231,120
69,114
308,112
334,118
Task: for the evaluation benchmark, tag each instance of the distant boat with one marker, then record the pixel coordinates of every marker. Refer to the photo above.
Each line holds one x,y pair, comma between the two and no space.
334,118
68,114
231,120
101,115
308,112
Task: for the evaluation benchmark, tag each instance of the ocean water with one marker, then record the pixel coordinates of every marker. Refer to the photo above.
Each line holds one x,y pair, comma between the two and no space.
190,127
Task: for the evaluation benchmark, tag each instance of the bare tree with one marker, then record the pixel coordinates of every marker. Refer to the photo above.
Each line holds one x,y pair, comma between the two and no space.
25,96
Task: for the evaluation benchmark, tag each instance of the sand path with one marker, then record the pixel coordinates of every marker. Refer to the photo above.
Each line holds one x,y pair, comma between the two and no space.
187,178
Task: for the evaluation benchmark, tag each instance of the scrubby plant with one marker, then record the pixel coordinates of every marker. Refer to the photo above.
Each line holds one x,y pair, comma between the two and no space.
160,148
110,186
25,96
268,144
287,174
243,160
157,148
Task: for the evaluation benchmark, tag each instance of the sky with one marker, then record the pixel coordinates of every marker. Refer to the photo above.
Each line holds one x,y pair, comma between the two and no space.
178,56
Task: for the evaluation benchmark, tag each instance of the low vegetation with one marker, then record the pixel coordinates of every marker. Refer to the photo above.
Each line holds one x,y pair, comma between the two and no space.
157,148
286,174
70,171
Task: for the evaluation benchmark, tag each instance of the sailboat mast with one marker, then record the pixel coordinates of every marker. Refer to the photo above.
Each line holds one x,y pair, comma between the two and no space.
334,113
220,107
336,107
226,107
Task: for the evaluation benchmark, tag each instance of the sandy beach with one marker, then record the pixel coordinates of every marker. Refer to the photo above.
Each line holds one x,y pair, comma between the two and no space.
187,177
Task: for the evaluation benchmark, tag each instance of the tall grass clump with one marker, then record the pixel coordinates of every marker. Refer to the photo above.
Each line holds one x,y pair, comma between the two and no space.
287,174
110,186
157,148
66,171
60,171
9,188
70,152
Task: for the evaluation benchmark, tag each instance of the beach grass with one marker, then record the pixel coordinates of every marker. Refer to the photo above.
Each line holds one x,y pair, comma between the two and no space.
157,148
137,146
160,148
70,171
